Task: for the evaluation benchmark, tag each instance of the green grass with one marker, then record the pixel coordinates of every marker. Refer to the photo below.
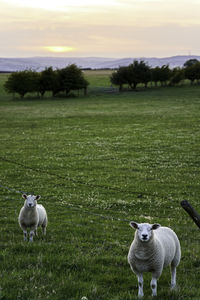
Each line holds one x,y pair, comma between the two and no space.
98,78
97,162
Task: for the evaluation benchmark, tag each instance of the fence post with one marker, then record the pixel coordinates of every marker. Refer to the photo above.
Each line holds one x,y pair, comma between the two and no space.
192,213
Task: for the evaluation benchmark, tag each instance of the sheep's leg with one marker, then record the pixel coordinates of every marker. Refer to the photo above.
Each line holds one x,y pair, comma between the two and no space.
32,232
44,226
44,230
140,285
154,286
25,235
173,277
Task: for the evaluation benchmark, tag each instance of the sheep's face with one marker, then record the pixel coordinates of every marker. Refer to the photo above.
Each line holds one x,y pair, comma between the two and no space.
144,230
30,200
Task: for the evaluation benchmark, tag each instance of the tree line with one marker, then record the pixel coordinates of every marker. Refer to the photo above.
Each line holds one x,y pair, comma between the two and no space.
71,78
63,80
140,73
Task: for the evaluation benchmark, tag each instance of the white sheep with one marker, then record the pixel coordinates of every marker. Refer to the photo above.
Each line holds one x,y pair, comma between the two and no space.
153,248
31,216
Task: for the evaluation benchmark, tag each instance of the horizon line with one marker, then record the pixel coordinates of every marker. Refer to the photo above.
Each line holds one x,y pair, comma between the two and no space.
105,57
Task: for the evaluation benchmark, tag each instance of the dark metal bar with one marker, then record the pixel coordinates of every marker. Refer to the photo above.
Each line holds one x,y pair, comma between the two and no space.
192,213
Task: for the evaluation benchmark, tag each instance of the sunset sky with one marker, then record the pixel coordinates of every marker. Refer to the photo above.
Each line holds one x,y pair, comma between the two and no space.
105,28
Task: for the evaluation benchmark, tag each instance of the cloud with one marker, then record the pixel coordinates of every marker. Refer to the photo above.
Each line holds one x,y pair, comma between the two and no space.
61,5
94,28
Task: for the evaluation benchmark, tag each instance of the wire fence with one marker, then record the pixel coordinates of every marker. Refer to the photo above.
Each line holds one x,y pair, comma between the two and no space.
70,206
81,207
80,182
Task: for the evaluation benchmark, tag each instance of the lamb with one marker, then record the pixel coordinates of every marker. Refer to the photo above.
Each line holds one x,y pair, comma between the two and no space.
31,216
153,248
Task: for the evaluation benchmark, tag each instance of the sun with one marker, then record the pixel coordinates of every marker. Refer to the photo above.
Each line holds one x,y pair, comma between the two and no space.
59,49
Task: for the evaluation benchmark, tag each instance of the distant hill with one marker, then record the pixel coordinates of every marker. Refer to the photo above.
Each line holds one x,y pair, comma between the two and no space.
40,63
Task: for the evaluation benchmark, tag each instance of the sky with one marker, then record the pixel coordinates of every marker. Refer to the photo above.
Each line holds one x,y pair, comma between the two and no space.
99,28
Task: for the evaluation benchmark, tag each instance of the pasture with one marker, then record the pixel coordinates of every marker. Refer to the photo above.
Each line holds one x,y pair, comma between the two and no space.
98,162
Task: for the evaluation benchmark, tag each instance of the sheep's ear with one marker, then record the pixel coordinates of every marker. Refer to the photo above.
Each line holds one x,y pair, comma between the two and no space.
155,226
37,197
24,196
134,225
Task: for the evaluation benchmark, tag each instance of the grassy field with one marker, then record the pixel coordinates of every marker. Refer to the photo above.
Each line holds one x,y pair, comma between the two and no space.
98,162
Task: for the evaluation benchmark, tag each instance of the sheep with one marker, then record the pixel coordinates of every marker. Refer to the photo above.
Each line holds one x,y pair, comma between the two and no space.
153,248
31,216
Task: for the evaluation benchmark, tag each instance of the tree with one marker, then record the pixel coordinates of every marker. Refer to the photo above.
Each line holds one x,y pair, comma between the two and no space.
177,75
63,80
47,80
192,72
68,79
138,72
145,73
164,75
22,82
119,77
155,75
190,62
197,71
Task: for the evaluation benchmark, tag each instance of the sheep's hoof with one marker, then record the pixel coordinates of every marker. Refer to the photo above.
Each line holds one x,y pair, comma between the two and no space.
140,295
173,287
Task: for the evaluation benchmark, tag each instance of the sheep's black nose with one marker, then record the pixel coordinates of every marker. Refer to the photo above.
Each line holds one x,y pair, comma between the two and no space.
30,204
144,236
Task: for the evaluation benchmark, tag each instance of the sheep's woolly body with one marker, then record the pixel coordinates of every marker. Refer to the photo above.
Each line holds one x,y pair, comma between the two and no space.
156,254
32,216
161,250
